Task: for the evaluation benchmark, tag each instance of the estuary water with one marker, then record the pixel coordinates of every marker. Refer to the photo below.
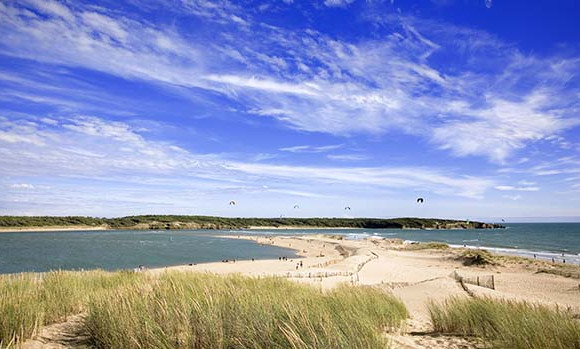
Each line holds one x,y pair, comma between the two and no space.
112,250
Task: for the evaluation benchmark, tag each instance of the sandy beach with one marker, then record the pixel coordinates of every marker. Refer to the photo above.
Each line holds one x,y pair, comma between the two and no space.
415,276
53,228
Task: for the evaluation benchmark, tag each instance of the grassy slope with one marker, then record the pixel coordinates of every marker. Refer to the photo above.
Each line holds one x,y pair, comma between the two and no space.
189,310
168,222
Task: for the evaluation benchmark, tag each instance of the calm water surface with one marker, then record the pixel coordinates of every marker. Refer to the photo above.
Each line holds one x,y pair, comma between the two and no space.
111,250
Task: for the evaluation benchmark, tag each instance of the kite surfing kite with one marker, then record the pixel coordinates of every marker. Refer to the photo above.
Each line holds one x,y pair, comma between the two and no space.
232,203
420,200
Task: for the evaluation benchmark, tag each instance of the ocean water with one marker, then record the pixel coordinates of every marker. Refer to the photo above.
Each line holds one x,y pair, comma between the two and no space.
560,241
112,250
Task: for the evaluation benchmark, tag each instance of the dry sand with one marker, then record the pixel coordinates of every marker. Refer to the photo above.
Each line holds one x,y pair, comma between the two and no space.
54,228
416,277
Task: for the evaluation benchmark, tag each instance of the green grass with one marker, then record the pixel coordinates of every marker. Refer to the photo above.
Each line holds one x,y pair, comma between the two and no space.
477,257
28,302
204,311
427,246
190,310
507,324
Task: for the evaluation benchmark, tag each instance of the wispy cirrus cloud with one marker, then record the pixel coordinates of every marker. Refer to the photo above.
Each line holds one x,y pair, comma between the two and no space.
348,157
312,82
311,148
92,148
514,188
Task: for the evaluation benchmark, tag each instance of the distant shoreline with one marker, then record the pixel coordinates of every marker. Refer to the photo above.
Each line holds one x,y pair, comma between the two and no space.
251,228
103,228
53,229
297,227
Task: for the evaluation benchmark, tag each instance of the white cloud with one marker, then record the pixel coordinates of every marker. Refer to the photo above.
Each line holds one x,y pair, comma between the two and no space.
313,82
311,149
348,157
21,186
513,188
402,178
92,148
337,3
501,128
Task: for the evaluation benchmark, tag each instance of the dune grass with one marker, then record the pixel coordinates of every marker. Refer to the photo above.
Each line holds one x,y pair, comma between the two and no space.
507,324
204,311
28,301
477,257
191,310
433,245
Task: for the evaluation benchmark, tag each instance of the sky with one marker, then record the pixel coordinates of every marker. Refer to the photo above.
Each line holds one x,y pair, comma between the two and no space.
112,108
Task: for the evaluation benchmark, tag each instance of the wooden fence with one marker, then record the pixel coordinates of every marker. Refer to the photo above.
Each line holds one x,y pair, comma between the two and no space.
479,280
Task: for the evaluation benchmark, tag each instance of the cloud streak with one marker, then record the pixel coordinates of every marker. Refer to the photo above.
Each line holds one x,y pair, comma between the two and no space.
315,83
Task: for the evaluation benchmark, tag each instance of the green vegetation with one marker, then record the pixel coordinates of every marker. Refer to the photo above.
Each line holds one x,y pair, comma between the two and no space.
571,271
190,310
28,301
433,245
210,222
477,257
507,324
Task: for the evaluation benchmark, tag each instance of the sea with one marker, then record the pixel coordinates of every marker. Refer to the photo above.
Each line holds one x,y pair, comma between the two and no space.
115,250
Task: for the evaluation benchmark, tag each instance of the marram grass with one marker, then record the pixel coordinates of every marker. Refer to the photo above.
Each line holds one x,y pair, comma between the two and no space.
204,311
29,301
189,310
507,324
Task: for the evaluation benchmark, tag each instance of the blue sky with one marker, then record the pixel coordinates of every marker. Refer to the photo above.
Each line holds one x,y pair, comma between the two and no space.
112,108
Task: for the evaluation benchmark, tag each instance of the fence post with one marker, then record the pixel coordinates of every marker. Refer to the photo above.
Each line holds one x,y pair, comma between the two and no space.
492,282
478,280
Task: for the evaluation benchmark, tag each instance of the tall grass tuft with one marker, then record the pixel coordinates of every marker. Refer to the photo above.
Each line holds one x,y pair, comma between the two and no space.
28,301
507,324
205,311
190,310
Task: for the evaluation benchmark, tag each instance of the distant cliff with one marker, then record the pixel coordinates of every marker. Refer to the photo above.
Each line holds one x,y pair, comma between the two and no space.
211,222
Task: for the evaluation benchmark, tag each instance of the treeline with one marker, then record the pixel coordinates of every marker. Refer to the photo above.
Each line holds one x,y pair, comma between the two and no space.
211,222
